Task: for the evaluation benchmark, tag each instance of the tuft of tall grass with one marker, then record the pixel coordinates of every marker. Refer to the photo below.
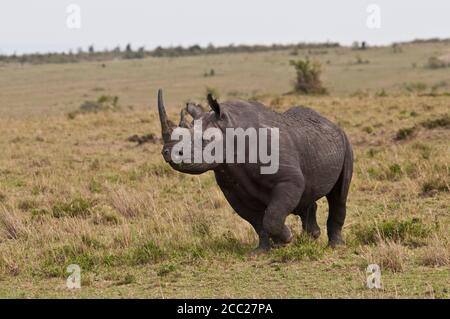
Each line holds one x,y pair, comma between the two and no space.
436,253
389,255
11,224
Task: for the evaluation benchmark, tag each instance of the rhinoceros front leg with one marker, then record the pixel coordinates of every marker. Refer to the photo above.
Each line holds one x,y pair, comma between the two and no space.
256,220
254,217
284,199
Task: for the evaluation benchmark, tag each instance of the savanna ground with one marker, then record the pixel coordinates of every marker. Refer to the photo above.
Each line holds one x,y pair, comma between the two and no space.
73,190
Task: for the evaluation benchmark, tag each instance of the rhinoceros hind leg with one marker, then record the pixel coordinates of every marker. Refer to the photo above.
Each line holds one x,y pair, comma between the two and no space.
309,221
337,202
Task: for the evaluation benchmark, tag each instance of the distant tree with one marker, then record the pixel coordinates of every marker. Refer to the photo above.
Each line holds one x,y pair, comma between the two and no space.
436,63
141,53
210,48
158,52
308,77
91,49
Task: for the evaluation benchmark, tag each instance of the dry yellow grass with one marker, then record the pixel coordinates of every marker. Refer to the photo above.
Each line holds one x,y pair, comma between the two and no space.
76,191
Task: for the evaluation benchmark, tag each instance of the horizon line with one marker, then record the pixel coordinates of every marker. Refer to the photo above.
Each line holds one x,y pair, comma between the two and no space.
85,48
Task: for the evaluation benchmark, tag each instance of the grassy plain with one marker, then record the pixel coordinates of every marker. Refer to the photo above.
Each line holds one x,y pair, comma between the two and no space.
76,191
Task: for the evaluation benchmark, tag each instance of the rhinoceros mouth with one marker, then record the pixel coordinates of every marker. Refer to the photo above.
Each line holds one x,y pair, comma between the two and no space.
193,169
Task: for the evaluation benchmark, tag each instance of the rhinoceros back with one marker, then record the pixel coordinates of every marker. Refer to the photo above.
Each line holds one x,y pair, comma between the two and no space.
321,145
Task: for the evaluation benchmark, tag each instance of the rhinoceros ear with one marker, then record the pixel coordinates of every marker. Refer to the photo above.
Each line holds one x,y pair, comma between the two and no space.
214,104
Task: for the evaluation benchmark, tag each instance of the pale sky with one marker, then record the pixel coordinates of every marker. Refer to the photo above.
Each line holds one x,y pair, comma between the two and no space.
40,25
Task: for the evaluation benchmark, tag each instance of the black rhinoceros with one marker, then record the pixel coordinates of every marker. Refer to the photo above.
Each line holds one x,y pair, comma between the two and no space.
315,160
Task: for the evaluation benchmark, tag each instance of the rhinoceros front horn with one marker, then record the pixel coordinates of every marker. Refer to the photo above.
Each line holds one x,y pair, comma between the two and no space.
166,125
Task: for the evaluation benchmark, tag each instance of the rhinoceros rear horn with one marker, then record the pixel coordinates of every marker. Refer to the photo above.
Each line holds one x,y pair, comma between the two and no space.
195,110
183,120
166,124
214,104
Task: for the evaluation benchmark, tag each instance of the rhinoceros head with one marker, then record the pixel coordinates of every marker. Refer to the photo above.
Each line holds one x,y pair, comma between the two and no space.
171,155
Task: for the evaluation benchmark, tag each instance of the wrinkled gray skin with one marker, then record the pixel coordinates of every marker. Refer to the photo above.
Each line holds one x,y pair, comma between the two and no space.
316,160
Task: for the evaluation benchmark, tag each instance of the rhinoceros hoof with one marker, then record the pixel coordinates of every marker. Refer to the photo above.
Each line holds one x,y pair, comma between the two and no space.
336,243
259,251
315,234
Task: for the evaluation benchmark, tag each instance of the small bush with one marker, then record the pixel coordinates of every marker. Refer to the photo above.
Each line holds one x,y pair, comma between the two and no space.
443,121
405,133
308,77
104,103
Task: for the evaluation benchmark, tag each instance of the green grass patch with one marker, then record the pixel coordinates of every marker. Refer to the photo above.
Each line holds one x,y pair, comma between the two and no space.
56,260
392,172
127,280
166,269
409,231
148,253
303,248
77,207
